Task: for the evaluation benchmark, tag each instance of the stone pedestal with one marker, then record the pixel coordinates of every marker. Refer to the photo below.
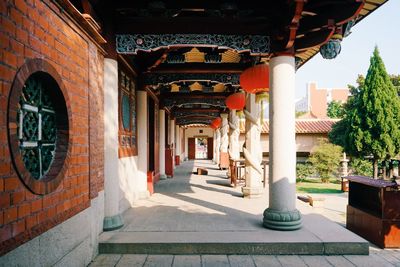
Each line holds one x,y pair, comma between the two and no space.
252,150
344,163
282,213
112,217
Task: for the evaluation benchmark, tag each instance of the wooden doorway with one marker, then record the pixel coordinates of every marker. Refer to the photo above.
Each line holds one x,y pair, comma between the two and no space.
191,148
210,148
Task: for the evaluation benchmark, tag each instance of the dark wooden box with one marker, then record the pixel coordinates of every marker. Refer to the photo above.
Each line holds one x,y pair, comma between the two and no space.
373,211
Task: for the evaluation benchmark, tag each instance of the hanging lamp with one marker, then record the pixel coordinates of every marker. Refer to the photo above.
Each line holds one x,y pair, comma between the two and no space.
236,101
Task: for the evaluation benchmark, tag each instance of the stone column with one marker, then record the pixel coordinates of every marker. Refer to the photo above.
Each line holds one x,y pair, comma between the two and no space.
142,136
178,143
172,141
217,145
224,157
234,153
112,217
234,132
162,144
251,150
282,213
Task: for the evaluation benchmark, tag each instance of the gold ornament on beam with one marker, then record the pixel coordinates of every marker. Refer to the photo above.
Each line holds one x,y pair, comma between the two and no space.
230,56
195,87
219,88
175,87
194,56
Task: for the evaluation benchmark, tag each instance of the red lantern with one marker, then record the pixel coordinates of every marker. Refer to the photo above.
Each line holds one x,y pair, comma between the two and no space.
216,123
236,101
255,79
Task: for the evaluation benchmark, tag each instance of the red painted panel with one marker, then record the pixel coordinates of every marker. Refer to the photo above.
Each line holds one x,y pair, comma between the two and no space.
191,148
210,148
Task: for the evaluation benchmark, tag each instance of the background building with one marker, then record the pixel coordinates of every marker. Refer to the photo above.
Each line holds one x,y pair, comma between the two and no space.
316,101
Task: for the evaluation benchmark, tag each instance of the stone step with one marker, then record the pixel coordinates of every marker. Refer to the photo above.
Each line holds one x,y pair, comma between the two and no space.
251,243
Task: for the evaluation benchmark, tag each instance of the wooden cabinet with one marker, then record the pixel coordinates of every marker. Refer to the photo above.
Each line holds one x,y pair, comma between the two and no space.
373,211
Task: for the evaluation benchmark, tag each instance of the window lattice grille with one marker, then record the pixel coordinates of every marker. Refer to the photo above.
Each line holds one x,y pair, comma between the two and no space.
37,129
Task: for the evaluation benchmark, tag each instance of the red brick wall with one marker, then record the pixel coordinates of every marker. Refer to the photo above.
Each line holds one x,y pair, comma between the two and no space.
37,29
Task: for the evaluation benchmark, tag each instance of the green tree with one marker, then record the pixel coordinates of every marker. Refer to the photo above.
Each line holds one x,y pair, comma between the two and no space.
361,166
371,125
335,109
396,82
325,159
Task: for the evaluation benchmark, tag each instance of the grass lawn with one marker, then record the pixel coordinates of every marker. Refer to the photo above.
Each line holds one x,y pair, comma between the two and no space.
315,186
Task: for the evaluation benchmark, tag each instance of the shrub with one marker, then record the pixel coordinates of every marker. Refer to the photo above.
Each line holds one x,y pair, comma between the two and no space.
303,171
325,159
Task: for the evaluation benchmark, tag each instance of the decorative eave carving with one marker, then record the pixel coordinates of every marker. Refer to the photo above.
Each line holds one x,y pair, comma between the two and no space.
132,43
167,78
193,121
180,101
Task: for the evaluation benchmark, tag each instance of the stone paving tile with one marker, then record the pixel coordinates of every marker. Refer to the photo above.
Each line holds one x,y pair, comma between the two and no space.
159,261
214,260
105,260
288,261
316,261
132,260
368,261
266,260
187,261
389,256
240,260
339,261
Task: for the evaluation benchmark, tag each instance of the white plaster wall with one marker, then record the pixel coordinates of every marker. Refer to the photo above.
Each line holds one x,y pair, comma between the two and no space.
195,131
71,243
132,185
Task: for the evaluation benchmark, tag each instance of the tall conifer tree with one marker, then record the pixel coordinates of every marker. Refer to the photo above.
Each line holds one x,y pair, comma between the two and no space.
371,125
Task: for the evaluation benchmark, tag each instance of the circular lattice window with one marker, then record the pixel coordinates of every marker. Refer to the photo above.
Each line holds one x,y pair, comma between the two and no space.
38,126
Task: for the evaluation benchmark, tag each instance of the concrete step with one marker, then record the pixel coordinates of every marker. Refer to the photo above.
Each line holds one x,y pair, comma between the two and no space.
266,242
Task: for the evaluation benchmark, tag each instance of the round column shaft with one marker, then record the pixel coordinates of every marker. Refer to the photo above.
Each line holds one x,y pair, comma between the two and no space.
252,150
112,217
142,136
234,133
162,143
282,213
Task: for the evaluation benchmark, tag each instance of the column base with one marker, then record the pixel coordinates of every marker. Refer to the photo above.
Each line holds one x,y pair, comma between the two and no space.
282,220
252,192
163,177
112,223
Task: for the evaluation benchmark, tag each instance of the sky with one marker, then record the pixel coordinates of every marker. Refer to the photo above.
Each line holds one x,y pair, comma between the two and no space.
381,28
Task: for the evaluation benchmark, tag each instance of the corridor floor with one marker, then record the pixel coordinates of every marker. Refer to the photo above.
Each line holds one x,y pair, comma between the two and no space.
205,207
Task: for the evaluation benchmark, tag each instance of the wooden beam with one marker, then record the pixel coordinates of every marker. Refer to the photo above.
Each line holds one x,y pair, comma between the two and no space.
313,39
